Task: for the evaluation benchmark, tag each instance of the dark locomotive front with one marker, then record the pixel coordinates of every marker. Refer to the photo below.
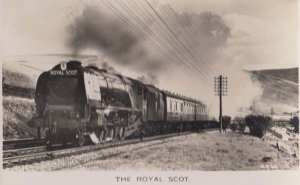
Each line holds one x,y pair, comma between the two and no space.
61,104
73,101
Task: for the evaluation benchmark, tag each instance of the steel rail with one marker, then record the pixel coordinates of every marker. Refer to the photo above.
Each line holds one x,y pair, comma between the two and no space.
22,143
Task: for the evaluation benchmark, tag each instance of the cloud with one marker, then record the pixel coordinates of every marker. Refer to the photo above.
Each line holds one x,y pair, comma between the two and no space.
255,41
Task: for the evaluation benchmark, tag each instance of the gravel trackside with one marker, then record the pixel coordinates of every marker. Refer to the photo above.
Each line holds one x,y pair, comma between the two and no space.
204,151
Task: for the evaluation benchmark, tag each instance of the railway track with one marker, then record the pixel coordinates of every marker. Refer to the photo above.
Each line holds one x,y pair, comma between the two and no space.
36,154
23,151
22,143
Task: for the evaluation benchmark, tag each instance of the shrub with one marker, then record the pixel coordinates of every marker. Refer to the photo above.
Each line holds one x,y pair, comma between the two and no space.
238,124
226,120
295,123
258,124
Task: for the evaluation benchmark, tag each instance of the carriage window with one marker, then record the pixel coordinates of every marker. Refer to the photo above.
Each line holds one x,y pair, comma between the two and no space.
176,106
181,107
170,105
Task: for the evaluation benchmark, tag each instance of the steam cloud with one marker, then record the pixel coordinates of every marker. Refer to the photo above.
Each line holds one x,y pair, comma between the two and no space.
95,29
104,65
149,79
205,33
204,36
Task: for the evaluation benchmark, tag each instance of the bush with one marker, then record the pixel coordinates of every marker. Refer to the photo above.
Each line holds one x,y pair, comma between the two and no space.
238,124
295,123
258,124
226,120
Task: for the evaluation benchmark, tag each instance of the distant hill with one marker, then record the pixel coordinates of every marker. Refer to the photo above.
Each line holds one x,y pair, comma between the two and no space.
17,79
290,74
280,86
18,82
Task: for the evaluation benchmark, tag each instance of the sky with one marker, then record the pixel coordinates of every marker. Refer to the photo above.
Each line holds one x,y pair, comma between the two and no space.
226,36
265,31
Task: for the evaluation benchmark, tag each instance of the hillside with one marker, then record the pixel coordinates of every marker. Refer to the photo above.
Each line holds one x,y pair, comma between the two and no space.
289,74
280,87
18,77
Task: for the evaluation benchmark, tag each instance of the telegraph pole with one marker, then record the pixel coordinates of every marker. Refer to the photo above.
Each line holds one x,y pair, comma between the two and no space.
221,90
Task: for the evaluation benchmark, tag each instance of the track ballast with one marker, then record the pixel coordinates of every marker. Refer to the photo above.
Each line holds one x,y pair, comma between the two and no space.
36,154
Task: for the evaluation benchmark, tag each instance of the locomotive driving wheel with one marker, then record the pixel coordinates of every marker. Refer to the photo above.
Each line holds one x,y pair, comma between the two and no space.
121,133
102,135
48,145
111,133
48,139
79,137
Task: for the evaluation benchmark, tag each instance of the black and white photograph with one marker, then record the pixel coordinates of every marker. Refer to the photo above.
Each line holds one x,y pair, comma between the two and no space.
150,85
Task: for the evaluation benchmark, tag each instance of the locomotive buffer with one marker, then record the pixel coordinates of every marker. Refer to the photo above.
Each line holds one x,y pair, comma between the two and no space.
221,90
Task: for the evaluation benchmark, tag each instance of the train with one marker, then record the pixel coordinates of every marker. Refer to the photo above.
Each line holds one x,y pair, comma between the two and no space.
74,101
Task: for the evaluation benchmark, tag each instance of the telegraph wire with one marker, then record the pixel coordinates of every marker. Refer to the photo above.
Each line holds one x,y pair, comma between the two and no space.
187,38
174,34
175,44
142,24
135,28
120,15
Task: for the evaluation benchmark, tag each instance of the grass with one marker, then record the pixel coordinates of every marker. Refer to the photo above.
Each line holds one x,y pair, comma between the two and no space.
205,151
16,113
230,151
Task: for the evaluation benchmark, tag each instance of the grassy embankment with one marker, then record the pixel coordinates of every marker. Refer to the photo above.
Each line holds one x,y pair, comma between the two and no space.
16,113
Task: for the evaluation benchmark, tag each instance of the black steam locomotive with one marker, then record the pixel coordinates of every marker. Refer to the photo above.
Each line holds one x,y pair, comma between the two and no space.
73,101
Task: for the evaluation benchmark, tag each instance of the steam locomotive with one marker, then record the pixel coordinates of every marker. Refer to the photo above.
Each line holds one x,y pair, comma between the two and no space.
73,101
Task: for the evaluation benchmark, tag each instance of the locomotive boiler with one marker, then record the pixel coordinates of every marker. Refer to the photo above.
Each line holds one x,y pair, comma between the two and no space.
73,101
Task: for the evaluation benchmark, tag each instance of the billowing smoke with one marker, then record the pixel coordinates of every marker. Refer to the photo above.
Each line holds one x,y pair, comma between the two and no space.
109,68
203,33
206,35
104,65
185,50
150,78
94,29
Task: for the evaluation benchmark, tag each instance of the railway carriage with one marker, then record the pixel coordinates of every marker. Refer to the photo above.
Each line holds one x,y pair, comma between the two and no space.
201,111
185,113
